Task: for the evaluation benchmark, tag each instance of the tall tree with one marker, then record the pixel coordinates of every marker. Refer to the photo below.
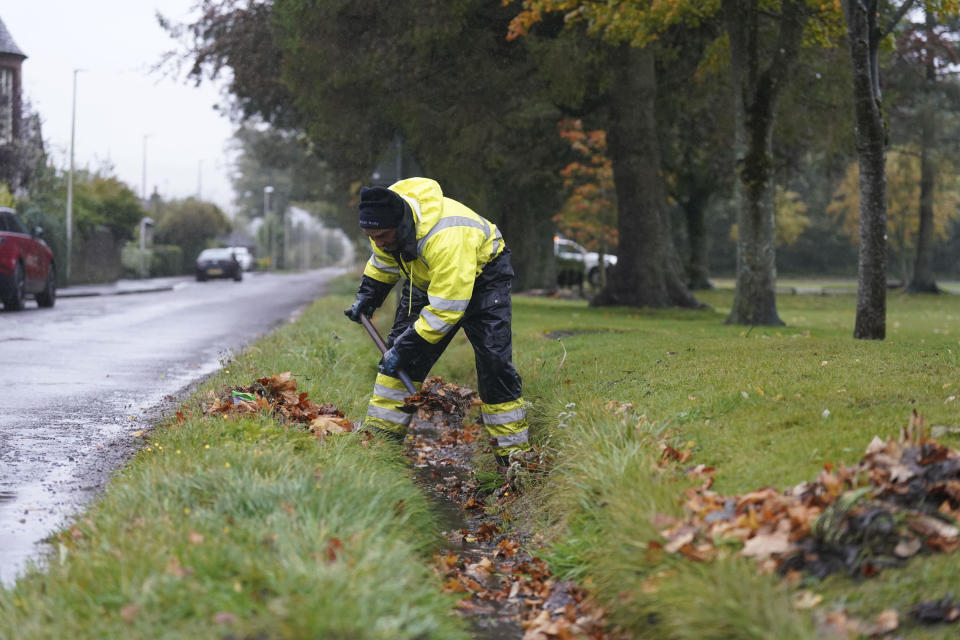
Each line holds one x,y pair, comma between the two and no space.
650,273
352,74
763,48
924,52
696,128
868,22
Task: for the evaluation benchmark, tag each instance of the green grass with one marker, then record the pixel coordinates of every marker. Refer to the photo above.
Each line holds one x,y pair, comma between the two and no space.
749,402
233,527
603,386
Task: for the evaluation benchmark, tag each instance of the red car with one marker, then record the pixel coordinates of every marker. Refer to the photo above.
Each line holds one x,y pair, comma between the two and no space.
26,264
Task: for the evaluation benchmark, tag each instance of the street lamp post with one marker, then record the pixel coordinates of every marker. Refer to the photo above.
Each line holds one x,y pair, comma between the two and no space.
143,177
267,190
73,129
144,223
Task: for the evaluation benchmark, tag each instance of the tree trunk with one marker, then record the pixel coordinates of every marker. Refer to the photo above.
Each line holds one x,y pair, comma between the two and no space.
698,270
923,280
758,90
864,36
528,230
648,272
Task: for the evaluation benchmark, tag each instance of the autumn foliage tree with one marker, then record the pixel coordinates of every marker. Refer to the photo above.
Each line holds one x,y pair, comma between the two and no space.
650,274
589,209
903,194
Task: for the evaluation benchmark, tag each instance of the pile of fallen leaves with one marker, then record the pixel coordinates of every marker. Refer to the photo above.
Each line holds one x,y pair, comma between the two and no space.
277,395
901,499
436,396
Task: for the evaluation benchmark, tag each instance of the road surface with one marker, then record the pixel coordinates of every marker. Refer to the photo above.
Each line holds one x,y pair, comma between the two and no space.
78,380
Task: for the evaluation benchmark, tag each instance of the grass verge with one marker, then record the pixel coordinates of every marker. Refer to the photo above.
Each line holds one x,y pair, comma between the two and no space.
300,539
766,407
248,528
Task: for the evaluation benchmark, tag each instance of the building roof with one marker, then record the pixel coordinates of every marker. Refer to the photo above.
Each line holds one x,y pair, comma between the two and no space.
7,45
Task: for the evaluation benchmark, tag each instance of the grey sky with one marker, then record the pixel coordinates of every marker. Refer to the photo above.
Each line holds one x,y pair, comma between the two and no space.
119,101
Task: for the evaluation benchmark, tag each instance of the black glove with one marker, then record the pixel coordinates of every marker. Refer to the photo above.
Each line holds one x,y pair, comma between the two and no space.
370,296
389,363
362,305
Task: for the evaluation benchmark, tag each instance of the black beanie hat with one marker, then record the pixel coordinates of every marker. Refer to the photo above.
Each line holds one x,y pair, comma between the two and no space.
380,208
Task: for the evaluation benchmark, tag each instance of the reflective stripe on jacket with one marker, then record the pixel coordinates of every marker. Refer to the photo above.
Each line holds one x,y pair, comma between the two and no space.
453,243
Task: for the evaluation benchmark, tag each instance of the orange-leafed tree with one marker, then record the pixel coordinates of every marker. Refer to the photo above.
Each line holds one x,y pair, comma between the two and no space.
650,273
763,39
589,208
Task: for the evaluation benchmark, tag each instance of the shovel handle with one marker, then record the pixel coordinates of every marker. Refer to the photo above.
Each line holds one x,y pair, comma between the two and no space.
377,340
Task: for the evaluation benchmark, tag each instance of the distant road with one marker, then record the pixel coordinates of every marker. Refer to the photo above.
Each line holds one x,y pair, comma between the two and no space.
77,380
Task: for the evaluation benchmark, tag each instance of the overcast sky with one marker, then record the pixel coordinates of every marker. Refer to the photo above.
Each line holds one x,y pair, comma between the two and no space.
119,100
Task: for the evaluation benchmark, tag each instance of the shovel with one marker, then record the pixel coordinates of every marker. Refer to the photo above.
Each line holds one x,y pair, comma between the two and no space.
377,340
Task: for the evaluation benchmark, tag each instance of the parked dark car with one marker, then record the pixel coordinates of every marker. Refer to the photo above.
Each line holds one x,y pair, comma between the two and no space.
218,263
26,264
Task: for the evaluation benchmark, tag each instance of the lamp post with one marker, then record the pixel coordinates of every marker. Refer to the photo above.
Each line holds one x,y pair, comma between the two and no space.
266,212
73,129
143,184
144,223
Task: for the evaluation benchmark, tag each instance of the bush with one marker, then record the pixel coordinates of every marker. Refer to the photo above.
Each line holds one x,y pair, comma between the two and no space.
167,260
162,260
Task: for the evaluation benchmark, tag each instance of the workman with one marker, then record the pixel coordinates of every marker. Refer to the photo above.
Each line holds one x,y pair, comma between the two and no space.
458,274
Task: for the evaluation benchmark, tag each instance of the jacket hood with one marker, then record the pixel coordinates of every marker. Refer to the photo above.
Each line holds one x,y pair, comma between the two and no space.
425,198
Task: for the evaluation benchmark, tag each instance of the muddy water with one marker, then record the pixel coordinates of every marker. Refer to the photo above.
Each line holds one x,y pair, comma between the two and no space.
446,471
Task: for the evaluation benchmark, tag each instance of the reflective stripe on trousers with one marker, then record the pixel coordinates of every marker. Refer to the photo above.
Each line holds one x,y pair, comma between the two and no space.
506,423
383,411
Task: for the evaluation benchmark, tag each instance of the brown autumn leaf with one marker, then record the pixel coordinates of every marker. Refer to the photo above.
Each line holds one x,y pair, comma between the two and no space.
887,621
544,627
325,425
933,527
480,570
334,548
129,612
174,568
486,531
453,586
448,562
224,617
768,543
507,548
679,539
282,385
471,585
907,547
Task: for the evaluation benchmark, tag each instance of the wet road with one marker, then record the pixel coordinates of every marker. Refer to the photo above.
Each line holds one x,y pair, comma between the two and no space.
77,380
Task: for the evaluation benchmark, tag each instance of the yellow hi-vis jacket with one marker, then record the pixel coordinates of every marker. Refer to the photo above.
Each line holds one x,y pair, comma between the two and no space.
453,243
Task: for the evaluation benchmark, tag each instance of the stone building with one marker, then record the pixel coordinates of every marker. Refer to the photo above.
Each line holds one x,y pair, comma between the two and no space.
11,62
14,162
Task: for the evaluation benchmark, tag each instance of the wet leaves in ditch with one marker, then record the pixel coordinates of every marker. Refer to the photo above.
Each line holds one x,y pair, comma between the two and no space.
507,592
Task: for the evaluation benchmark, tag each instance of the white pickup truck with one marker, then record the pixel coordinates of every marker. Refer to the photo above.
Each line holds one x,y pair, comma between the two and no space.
566,249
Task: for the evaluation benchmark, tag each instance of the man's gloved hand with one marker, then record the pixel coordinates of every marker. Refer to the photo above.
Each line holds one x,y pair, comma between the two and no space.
390,362
362,305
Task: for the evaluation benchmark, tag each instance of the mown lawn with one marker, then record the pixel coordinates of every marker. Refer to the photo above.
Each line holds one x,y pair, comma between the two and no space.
766,407
234,527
